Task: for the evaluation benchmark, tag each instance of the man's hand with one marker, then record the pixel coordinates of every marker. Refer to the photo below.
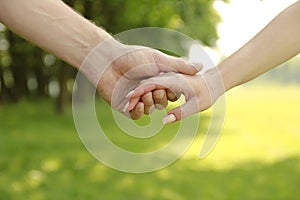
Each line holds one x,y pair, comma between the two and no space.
121,68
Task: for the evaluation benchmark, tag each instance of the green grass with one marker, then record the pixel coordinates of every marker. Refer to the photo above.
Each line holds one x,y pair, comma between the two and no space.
257,156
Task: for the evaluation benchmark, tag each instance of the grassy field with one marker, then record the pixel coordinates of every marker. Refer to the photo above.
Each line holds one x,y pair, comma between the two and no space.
257,156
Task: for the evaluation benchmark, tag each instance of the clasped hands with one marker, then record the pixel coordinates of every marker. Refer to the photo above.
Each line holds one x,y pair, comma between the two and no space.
134,80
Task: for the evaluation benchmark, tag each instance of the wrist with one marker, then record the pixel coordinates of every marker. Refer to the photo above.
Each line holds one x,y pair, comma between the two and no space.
228,78
100,58
214,82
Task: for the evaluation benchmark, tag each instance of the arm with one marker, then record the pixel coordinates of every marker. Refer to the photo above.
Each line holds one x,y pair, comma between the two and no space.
275,44
55,27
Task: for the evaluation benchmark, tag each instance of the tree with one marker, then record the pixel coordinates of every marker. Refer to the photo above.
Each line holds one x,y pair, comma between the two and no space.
196,18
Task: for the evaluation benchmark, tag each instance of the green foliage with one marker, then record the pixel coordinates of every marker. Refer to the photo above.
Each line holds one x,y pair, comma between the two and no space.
196,18
257,156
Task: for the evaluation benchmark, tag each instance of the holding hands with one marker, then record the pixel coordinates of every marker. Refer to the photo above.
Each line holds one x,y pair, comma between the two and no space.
140,77
125,73
200,92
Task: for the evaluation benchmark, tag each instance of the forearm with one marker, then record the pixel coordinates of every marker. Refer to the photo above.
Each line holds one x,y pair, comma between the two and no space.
275,44
53,26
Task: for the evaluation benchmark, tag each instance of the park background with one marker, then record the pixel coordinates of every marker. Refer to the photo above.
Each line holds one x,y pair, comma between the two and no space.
257,156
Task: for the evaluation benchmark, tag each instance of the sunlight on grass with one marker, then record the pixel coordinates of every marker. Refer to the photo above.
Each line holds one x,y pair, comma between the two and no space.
257,156
262,124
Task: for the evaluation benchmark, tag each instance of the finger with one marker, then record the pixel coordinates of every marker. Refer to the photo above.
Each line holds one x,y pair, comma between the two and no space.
137,112
148,102
172,81
144,88
140,91
171,95
165,81
132,103
160,98
181,112
168,63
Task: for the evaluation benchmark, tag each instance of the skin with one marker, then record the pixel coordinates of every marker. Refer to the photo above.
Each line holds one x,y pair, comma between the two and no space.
55,27
276,43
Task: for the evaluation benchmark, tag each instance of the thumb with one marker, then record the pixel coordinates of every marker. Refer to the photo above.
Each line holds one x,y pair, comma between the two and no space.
168,63
181,112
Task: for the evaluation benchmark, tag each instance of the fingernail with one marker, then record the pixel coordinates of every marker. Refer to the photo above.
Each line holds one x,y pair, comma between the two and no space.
197,65
129,94
169,119
125,107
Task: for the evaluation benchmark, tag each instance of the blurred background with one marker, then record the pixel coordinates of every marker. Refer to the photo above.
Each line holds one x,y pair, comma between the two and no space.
257,156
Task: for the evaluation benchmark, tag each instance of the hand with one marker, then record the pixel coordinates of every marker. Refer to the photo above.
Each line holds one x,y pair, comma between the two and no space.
126,67
200,91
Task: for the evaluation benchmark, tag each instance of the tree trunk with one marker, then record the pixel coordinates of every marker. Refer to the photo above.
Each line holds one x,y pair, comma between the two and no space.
4,91
41,78
63,97
18,66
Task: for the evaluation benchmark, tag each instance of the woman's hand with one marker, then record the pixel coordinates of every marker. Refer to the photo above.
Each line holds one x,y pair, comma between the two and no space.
200,92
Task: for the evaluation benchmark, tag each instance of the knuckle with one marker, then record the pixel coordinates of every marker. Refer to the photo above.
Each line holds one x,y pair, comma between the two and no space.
147,98
159,94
